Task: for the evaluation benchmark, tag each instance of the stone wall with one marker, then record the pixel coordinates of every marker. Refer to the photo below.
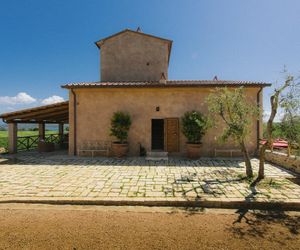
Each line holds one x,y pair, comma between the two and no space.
291,163
134,57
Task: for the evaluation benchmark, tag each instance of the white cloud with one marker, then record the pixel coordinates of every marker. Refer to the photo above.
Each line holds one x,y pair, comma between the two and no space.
20,98
52,99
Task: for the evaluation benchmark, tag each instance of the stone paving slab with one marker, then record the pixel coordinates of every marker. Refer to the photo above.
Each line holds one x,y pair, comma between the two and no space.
60,177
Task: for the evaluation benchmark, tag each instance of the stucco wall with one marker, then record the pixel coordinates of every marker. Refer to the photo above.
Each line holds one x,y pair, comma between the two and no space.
133,57
96,106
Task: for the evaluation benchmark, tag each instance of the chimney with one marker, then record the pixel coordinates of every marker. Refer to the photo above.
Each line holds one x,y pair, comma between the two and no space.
163,78
215,78
139,30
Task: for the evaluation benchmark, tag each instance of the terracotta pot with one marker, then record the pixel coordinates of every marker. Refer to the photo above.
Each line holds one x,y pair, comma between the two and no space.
193,150
119,149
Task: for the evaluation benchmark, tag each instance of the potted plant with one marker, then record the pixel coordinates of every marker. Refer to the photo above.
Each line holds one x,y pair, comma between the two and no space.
194,126
120,124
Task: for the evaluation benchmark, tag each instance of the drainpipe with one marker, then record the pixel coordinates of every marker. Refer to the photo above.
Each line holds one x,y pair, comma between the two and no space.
74,121
258,121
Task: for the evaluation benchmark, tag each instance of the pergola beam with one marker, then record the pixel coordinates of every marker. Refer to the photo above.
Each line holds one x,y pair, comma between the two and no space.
43,112
48,118
55,117
43,121
48,115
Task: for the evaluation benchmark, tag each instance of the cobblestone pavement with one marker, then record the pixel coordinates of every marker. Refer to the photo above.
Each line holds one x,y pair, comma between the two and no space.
58,175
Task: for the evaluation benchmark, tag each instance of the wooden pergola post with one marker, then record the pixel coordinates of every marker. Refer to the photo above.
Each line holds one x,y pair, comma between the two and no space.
12,137
41,131
61,132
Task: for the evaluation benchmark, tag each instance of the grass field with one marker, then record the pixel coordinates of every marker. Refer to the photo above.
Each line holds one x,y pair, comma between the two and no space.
4,136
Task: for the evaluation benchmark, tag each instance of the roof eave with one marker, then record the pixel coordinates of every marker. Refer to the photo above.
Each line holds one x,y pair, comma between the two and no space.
166,86
44,107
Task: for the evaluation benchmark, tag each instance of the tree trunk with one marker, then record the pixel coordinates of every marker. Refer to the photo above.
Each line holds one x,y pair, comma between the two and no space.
289,149
249,171
271,144
261,171
274,99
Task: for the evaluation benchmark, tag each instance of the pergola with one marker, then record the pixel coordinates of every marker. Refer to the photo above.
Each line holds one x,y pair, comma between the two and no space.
57,113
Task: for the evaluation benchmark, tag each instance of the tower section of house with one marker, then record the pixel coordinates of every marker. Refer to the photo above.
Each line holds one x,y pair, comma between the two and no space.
133,56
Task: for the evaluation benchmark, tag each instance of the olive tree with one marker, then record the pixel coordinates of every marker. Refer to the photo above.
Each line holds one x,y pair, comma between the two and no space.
275,101
290,126
236,113
290,122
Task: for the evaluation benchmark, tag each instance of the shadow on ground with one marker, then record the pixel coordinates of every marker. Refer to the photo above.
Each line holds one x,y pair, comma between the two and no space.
257,223
207,185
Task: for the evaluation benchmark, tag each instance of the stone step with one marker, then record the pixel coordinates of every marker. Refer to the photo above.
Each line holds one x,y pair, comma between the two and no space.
157,156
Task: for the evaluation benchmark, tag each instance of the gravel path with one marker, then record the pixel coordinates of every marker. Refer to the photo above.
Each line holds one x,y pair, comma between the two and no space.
76,227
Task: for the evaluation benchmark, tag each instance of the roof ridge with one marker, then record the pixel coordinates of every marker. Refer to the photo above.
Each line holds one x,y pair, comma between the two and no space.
133,31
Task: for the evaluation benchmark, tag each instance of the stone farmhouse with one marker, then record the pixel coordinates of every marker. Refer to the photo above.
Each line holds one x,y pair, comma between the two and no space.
134,78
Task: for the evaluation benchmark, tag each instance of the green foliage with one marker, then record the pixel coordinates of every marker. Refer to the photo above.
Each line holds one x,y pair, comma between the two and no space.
234,110
194,126
34,129
290,123
290,128
277,132
3,144
284,129
120,124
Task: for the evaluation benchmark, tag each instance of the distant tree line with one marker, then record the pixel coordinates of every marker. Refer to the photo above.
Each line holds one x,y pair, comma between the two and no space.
4,128
280,129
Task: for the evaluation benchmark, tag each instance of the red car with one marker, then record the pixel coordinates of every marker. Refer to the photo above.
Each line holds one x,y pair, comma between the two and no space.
278,143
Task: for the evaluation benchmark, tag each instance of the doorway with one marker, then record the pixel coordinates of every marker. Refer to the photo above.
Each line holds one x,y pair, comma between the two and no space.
157,134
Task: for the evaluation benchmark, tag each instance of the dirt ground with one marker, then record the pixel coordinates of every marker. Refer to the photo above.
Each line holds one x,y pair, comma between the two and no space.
95,227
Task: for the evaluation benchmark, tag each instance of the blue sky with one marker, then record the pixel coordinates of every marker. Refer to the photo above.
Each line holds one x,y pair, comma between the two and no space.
47,43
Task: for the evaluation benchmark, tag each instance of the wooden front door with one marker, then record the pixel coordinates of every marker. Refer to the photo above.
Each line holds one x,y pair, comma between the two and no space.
172,134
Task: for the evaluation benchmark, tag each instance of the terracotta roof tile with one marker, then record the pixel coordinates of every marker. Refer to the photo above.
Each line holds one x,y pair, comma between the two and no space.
169,83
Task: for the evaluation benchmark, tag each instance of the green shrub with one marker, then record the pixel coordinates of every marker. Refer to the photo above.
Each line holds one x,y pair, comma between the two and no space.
3,144
194,126
120,124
